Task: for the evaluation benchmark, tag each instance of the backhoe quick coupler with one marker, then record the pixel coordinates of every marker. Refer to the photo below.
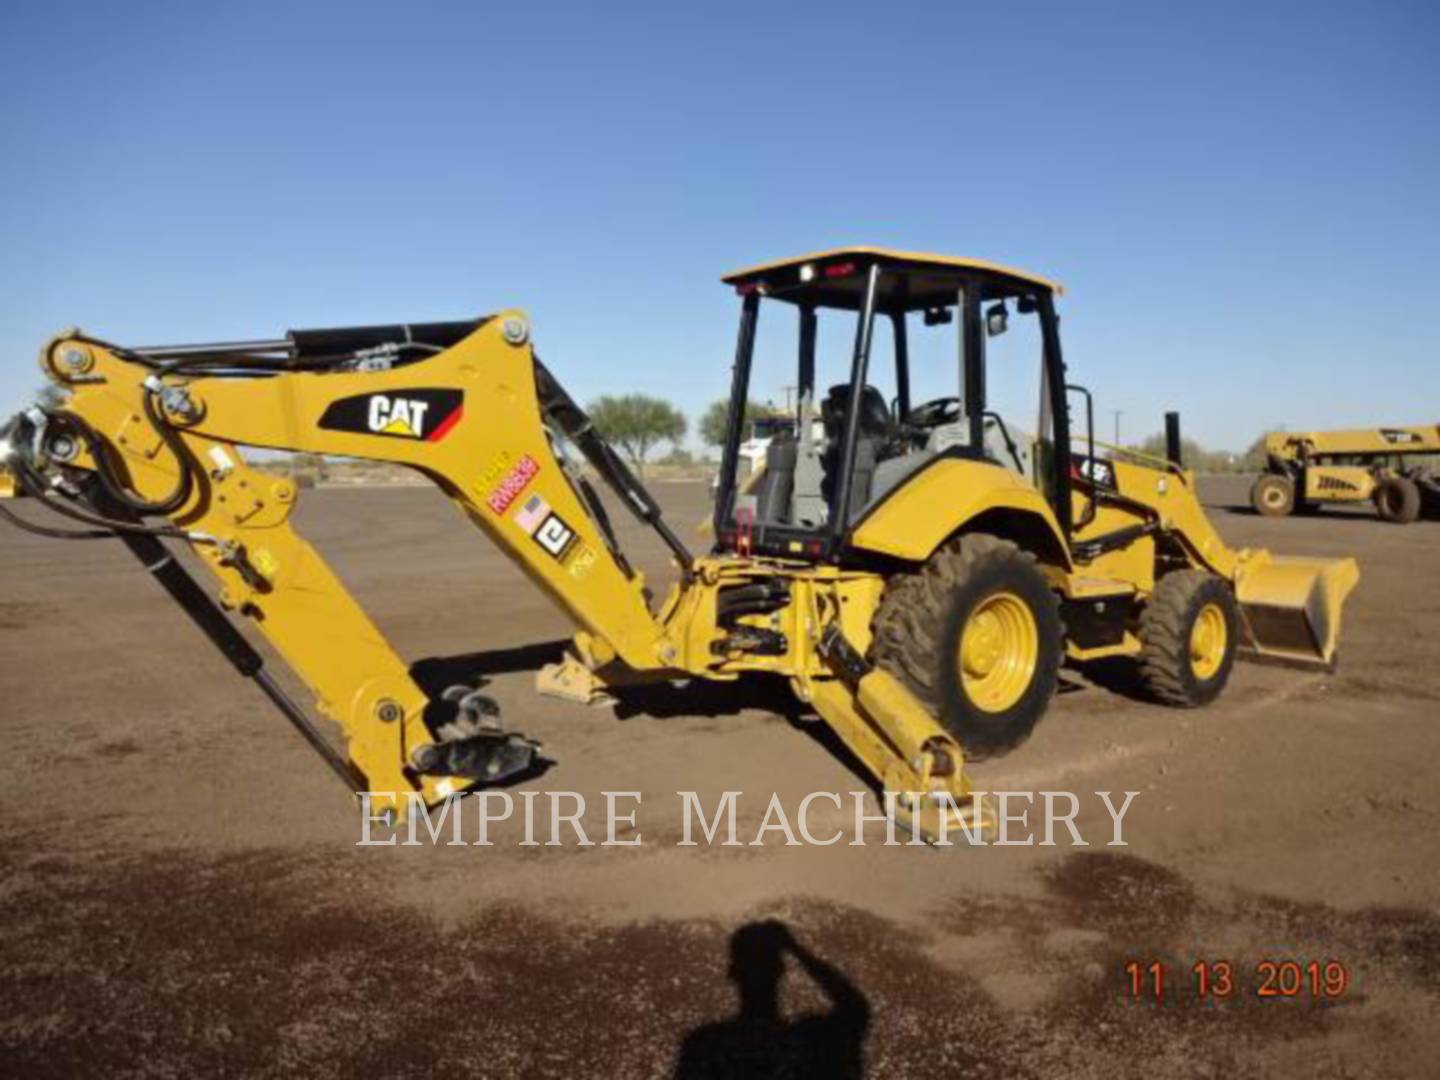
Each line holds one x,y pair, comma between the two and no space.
472,744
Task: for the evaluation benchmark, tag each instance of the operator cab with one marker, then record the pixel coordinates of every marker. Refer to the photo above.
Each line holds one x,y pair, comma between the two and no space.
850,306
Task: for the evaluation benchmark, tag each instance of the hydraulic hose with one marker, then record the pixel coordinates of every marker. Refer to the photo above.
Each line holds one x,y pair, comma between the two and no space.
104,469
54,534
36,488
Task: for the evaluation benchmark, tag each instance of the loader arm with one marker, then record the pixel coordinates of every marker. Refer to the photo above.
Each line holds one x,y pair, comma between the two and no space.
1290,606
150,445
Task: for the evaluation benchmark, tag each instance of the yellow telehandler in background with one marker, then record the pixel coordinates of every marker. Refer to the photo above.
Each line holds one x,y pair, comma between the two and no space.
1310,469
918,572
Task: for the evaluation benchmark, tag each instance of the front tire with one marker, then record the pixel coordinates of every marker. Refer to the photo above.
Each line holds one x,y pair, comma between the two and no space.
1188,633
1273,495
975,634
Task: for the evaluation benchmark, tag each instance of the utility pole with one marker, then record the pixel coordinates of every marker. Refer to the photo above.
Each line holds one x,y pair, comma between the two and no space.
1118,413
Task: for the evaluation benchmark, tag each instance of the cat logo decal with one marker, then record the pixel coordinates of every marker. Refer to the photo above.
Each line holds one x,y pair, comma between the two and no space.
426,415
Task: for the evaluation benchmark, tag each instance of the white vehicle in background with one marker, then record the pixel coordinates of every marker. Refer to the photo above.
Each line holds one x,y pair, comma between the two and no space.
763,430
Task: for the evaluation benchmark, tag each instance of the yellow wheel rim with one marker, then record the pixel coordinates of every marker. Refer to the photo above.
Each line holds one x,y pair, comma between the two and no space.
1207,641
1273,497
998,651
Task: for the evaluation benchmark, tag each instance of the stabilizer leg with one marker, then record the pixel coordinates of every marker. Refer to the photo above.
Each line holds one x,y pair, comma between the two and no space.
883,724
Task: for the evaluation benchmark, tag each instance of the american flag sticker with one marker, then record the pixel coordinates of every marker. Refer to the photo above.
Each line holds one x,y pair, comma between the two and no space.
531,514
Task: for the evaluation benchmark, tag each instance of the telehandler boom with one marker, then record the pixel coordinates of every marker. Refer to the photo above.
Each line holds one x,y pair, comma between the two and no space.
918,573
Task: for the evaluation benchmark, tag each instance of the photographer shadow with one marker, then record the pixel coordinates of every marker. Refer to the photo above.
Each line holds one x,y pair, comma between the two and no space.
759,1041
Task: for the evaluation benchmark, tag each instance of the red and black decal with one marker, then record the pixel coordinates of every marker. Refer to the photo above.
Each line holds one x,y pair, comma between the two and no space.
427,415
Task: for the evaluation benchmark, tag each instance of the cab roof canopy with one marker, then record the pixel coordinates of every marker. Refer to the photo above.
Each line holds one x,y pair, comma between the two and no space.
910,281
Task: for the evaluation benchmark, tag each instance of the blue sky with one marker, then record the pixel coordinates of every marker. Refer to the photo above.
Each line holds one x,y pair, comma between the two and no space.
1241,200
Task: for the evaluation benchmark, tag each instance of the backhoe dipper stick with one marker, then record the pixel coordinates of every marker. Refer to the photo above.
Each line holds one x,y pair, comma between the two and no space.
207,615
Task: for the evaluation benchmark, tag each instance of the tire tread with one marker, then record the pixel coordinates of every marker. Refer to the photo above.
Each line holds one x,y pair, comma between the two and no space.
1164,636
909,620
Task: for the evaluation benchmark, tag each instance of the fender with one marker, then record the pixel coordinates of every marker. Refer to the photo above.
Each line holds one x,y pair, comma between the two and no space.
949,494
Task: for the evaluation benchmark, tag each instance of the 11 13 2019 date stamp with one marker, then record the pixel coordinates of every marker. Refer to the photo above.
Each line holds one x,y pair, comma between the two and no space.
1313,980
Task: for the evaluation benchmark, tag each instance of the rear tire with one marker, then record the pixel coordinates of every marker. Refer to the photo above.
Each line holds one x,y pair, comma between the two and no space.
1429,485
975,634
1273,495
1397,500
1188,634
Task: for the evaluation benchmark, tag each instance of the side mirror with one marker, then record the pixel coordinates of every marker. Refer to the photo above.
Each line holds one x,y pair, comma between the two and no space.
997,320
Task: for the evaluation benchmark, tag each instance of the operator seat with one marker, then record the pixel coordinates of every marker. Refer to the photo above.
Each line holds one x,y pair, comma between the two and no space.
877,428
777,483
875,419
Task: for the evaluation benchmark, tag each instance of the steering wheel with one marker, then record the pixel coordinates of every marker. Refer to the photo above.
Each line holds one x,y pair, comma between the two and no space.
941,411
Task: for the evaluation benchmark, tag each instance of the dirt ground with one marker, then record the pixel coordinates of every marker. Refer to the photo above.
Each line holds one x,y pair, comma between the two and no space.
183,894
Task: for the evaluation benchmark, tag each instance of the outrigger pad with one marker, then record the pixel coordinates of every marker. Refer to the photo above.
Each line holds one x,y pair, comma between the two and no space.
572,680
1292,606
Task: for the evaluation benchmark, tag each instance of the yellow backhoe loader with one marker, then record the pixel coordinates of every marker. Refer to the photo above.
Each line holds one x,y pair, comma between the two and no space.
1305,470
918,571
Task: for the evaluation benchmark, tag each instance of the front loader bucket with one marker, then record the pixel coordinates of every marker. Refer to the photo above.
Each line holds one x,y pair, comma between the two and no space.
1291,606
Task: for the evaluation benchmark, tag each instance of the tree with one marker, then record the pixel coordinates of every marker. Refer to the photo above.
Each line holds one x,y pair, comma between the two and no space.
313,464
1255,457
636,422
308,469
712,422
1194,455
